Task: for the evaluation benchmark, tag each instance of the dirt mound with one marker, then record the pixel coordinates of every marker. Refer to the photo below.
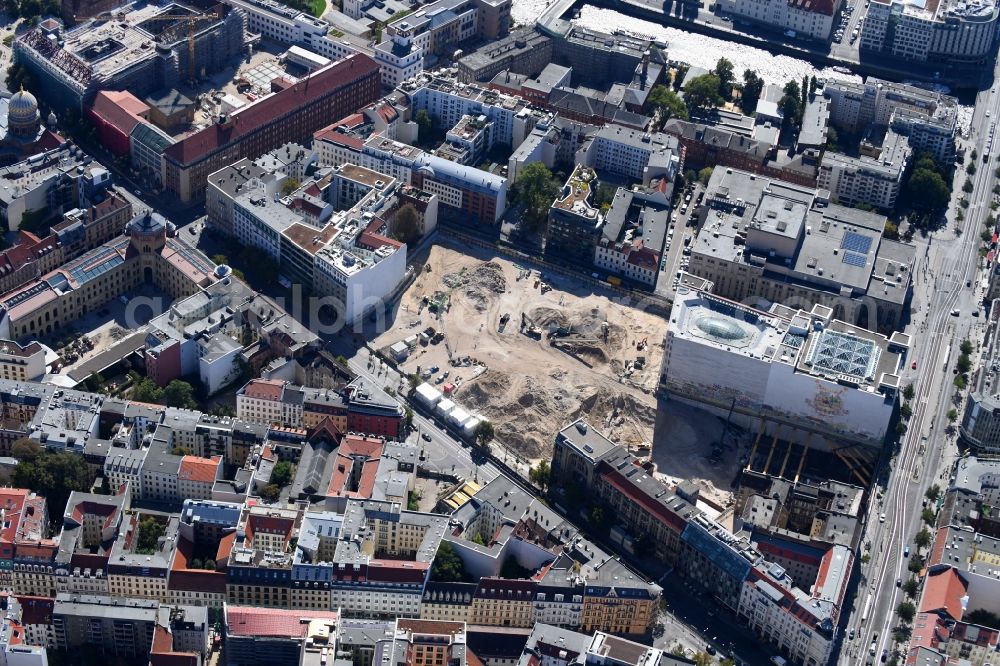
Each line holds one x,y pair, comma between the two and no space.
479,283
549,318
529,411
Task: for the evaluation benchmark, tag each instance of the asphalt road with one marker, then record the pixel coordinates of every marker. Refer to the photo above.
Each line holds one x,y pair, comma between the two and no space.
946,267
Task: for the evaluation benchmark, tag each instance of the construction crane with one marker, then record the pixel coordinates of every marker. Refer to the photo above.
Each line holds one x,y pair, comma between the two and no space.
192,21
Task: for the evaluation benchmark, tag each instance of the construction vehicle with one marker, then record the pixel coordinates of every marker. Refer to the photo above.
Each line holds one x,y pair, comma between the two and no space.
528,327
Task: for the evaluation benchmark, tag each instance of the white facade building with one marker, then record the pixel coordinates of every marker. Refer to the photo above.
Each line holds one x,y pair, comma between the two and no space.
787,366
949,32
811,20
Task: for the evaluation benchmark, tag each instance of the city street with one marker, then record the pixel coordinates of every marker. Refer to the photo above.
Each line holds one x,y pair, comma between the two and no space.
946,292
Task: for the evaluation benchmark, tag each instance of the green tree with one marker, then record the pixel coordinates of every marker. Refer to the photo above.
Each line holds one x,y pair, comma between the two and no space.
966,348
963,364
484,433
220,259
150,531
971,169
916,563
282,473
667,103
406,224
906,411
448,567
26,449
270,493
54,476
753,86
425,126
906,610
901,633
540,474
832,138
702,92
961,382
791,102
927,515
908,392
179,393
146,391
535,188
952,415
724,70
408,417
926,192
911,587
180,451
933,493
705,175
922,539
289,186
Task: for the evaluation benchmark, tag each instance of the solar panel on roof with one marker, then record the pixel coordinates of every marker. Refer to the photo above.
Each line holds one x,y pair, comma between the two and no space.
856,242
854,259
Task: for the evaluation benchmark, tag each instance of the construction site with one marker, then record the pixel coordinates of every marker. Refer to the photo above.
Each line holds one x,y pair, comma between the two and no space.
142,48
530,351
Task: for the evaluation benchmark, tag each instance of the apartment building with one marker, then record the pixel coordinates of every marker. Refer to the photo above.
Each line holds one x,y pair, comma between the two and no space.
716,561
873,180
83,229
267,636
808,20
633,234
25,362
786,243
633,154
948,33
574,224
463,192
288,114
115,626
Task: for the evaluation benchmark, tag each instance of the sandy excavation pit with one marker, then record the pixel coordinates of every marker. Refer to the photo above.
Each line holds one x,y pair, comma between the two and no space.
526,386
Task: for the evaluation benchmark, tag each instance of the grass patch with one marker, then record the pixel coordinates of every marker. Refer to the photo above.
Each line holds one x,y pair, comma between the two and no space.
336,34
317,8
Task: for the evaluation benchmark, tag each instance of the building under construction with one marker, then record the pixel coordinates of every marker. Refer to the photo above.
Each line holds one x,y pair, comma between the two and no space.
139,48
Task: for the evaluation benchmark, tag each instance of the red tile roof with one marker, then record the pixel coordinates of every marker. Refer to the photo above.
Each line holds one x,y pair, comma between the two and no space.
943,591
272,622
201,470
271,107
123,110
264,389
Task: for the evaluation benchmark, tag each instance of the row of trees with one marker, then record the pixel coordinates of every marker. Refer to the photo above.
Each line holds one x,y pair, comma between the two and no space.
51,474
177,393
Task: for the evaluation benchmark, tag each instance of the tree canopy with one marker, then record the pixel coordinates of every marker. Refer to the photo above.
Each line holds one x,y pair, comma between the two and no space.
753,86
484,433
150,530
282,473
535,188
448,567
53,475
791,101
702,92
406,224
668,103
724,70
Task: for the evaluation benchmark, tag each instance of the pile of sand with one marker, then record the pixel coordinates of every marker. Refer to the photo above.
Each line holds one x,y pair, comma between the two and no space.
479,283
528,411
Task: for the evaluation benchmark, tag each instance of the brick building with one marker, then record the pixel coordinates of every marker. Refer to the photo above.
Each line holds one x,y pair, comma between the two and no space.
292,113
